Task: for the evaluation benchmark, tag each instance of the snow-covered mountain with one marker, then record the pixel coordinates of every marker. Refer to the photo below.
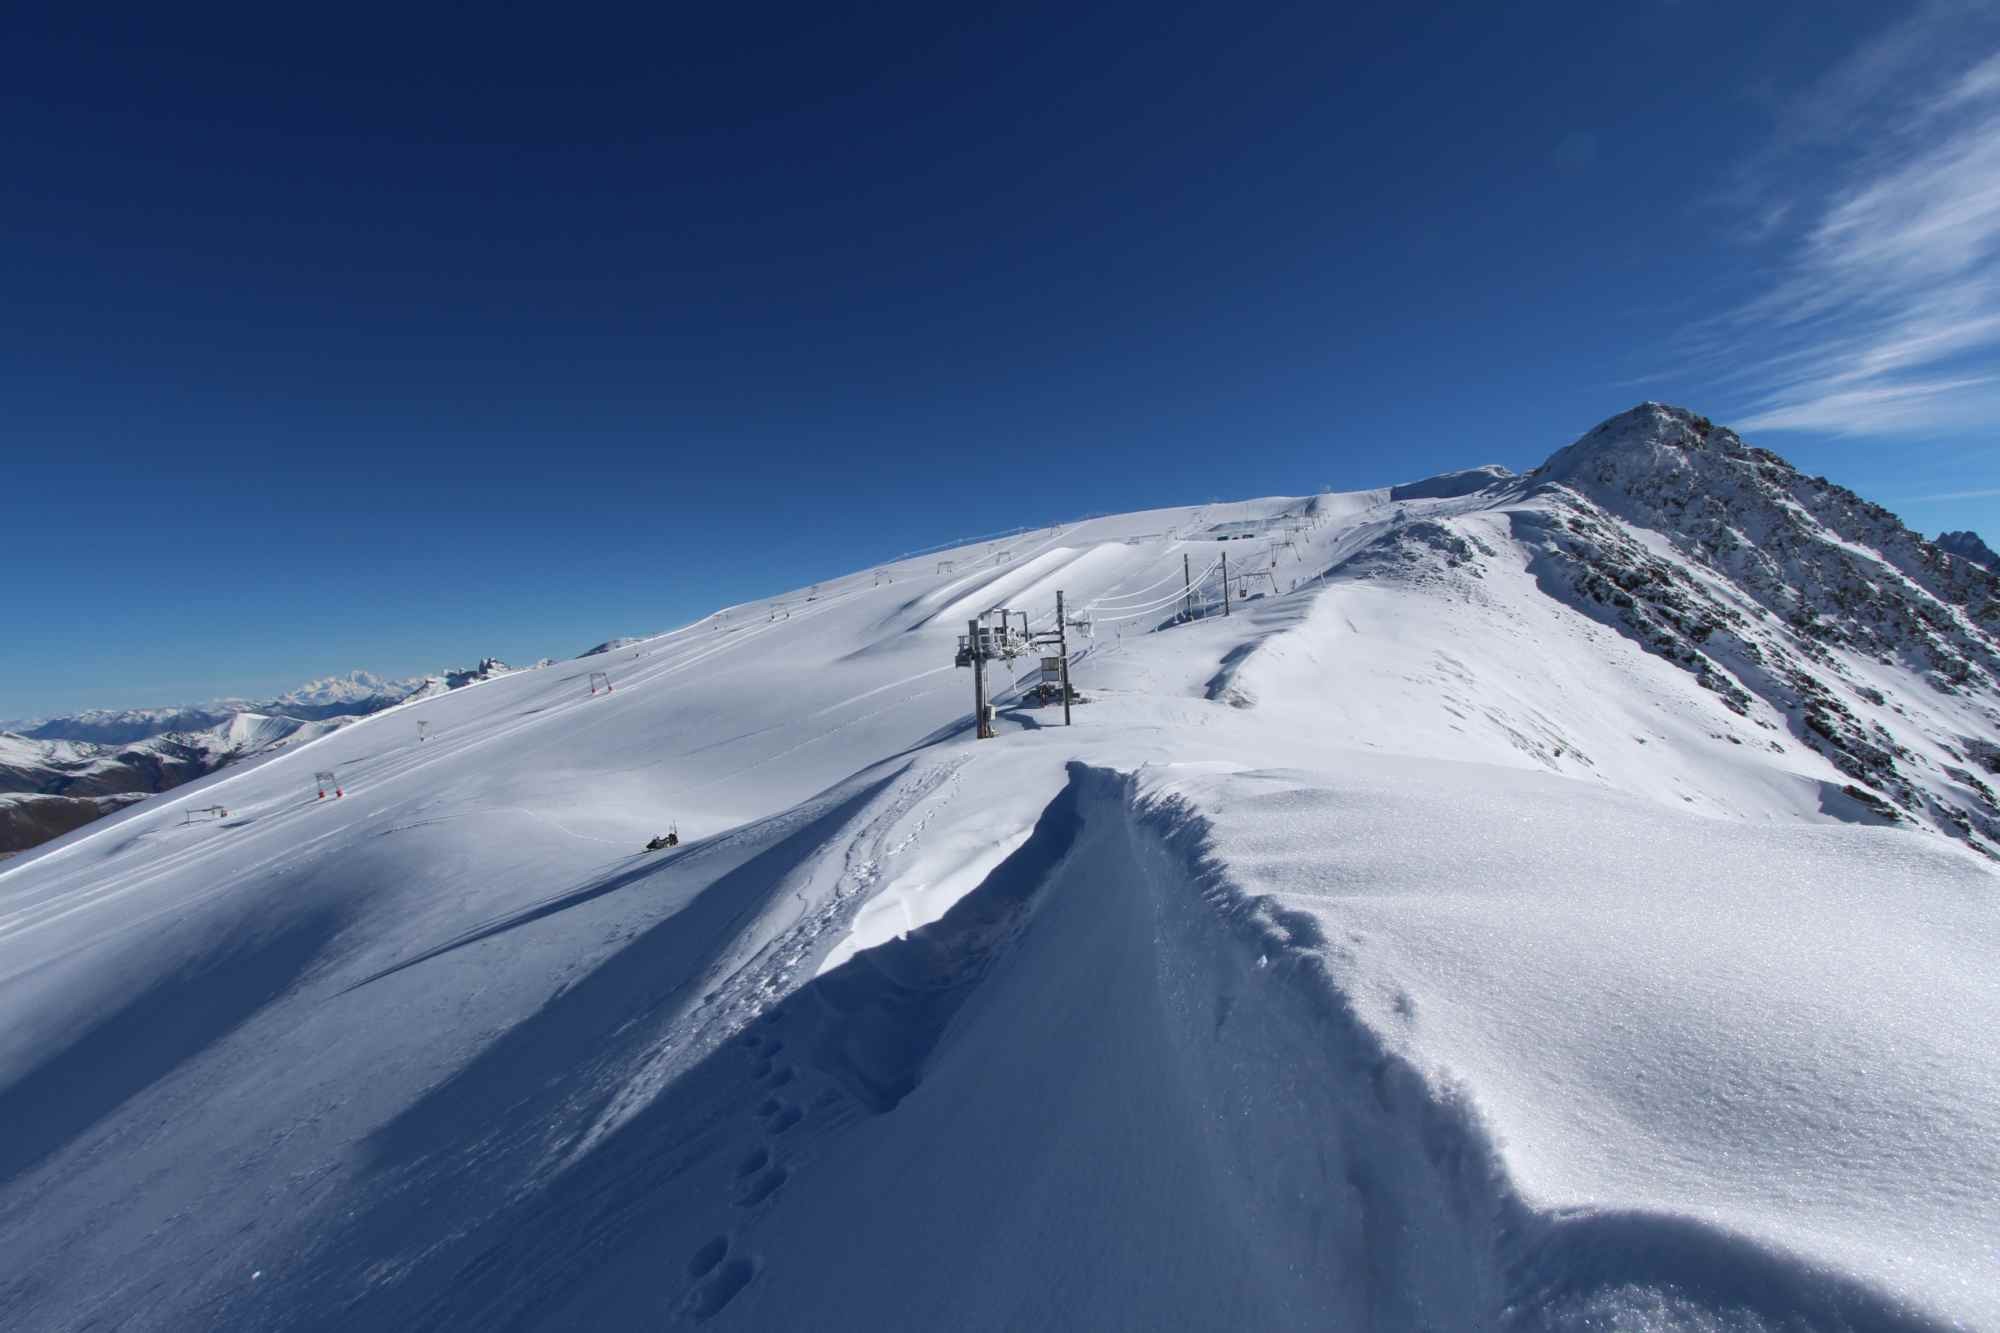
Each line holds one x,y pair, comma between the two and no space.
120,726
60,773
48,787
1561,901
1968,546
1803,607
352,695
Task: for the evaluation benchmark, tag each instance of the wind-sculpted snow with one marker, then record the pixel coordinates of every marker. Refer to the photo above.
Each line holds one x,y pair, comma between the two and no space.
1504,919
1750,1077
1231,1018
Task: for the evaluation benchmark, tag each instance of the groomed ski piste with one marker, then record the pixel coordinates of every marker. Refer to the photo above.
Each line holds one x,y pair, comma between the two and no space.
1396,952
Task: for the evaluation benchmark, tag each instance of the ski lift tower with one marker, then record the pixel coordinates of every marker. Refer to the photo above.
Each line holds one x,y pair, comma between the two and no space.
998,636
1055,670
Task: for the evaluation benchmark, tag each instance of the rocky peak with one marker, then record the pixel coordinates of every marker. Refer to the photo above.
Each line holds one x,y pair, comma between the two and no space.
1785,595
1968,546
1816,555
1653,441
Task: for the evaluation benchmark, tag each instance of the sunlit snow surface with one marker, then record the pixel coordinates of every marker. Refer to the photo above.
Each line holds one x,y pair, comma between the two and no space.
1784,1033
1403,952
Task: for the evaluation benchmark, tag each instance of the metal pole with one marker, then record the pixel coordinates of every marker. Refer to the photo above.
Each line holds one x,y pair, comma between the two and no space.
978,681
1062,643
1187,589
1225,582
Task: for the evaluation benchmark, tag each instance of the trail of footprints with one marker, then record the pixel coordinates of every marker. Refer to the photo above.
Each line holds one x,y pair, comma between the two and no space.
718,1273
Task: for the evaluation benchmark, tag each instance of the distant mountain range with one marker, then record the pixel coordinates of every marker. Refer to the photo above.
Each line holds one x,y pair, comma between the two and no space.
59,773
353,695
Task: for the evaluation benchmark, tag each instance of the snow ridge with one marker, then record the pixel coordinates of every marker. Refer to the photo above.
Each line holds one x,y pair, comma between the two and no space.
1444,1236
1767,585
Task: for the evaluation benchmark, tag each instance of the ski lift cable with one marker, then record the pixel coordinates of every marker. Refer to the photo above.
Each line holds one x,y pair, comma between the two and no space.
1127,611
1193,581
1131,611
1136,615
1137,592
1132,596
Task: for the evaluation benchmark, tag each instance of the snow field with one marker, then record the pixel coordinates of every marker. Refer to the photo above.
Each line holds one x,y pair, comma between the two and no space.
1407,952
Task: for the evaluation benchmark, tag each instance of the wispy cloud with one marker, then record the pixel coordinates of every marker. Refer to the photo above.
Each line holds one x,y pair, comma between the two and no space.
1987,493
1881,197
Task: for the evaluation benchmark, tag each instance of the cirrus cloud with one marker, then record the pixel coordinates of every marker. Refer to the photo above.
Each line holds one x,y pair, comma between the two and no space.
1881,198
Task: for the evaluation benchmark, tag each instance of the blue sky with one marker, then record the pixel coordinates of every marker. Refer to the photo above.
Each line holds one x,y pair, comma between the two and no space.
392,338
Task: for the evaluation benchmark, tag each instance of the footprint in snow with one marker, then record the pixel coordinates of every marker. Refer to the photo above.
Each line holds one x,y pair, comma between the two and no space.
707,1257
722,1287
763,1187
